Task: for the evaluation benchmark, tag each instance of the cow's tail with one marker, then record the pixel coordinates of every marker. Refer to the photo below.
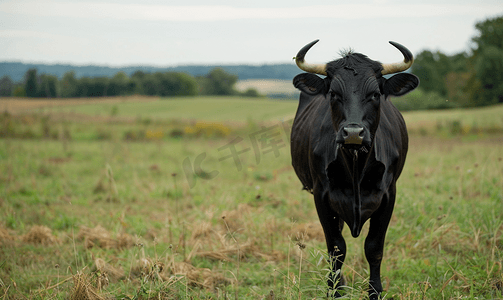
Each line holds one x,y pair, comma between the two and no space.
357,204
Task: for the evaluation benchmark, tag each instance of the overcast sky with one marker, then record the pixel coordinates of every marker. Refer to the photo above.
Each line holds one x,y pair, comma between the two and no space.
169,33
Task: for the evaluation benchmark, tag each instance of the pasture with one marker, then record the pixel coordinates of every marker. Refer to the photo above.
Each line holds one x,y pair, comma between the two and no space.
195,198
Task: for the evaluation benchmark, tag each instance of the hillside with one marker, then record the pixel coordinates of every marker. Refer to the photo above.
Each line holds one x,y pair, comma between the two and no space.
17,70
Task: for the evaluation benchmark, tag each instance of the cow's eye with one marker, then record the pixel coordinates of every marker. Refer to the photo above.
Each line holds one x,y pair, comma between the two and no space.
336,96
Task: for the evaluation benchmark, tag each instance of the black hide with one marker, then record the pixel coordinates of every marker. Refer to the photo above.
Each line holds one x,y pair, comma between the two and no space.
351,183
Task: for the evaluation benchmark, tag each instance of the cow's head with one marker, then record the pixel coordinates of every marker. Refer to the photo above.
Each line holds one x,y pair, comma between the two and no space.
355,87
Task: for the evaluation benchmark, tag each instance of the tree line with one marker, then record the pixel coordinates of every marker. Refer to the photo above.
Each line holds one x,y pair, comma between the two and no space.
466,79
285,71
165,84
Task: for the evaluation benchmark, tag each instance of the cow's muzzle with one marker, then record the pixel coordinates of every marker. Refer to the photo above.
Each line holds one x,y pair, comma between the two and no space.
353,135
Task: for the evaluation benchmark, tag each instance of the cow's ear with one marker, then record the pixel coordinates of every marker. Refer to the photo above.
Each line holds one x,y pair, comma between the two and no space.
400,84
310,84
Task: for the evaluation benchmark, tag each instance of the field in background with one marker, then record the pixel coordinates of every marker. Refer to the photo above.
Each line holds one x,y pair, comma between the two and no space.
238,111
267,86
133,199
182,108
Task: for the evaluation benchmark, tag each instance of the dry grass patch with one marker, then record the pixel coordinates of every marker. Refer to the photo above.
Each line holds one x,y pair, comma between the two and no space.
40,235
111,272
201,277
100,237
83,288
171,272
5,236
307,232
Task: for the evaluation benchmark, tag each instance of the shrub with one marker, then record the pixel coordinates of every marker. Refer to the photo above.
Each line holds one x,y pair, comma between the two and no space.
252,93
154,134
420,100
102,134
176,133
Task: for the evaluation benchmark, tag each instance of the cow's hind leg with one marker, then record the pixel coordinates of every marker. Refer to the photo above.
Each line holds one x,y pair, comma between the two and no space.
336,245
374,243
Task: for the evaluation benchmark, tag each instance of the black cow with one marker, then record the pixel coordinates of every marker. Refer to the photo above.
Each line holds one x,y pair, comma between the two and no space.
348,147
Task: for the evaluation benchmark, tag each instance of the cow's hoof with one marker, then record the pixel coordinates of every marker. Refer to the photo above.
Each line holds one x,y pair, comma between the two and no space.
374,296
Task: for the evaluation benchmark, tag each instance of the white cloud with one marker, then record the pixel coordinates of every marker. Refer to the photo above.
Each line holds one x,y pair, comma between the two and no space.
200,13
260,32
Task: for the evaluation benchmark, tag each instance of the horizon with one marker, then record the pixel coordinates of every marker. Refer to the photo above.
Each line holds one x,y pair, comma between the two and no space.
148,66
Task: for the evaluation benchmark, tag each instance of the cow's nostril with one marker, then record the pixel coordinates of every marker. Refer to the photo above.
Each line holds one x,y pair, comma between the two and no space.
345,133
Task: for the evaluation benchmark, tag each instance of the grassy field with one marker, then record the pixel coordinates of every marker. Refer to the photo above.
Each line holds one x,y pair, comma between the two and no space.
136,199
198,108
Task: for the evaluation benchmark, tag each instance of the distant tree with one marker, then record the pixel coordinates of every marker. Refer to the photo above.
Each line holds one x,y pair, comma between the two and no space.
456,84
6,86
251,92
19,91
31,83
99,87
433,67
218,82
187,85
425,67
69,85
489,72
83,87
92,87
490,33
135,84
486,84
149,85
118,85
175,84
48,86
138,75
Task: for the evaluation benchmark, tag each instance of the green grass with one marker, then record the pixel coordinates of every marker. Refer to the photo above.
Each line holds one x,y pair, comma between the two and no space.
488,118
171,228
198,108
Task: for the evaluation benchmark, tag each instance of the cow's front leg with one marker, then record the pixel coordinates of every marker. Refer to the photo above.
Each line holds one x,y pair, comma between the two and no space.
374,243
336,245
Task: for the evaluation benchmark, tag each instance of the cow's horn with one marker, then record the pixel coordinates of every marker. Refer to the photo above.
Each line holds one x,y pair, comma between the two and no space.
399,66
311,68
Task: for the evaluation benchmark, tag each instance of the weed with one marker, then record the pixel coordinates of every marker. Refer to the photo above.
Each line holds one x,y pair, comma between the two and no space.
207,130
